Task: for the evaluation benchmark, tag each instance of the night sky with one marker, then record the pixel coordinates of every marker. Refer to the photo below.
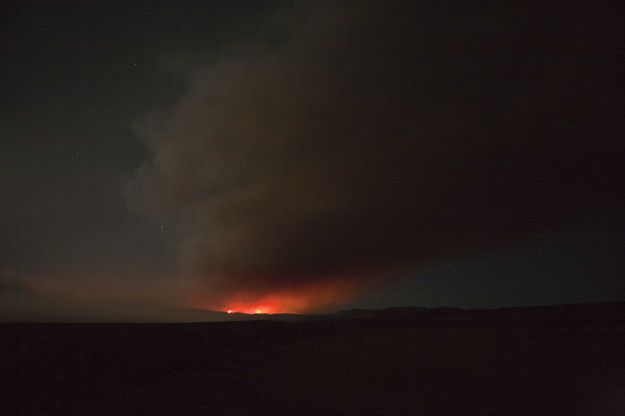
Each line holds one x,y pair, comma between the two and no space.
309,156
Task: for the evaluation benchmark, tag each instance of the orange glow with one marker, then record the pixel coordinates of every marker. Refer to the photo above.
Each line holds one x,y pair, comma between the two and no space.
311,297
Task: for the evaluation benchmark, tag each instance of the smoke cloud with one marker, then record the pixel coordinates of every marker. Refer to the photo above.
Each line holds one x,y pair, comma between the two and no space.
377,136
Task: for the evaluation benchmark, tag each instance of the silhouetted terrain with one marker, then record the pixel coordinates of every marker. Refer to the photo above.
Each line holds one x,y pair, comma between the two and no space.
528,361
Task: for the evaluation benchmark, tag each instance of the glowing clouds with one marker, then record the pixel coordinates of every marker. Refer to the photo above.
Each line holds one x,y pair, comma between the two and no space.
316,296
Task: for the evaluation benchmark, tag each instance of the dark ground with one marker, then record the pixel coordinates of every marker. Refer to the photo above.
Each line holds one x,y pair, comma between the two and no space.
529,361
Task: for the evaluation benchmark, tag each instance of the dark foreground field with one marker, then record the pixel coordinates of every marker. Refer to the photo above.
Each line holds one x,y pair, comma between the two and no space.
537,361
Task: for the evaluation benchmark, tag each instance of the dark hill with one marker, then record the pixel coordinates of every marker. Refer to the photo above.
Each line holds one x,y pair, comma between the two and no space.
567,359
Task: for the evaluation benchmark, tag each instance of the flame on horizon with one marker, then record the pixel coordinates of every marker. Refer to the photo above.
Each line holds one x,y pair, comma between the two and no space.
313,298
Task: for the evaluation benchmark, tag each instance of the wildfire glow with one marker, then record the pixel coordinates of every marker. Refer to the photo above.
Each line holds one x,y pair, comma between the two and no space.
312,297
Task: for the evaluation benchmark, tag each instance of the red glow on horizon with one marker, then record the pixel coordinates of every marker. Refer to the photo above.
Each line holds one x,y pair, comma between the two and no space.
310,298
252,309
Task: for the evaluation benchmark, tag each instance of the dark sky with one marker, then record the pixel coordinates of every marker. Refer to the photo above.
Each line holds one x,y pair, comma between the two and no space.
249,154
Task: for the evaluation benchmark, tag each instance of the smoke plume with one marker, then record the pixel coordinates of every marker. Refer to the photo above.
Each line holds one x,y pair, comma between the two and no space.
376,136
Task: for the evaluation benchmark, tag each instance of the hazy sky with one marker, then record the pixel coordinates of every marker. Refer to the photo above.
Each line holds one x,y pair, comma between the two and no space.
309,156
